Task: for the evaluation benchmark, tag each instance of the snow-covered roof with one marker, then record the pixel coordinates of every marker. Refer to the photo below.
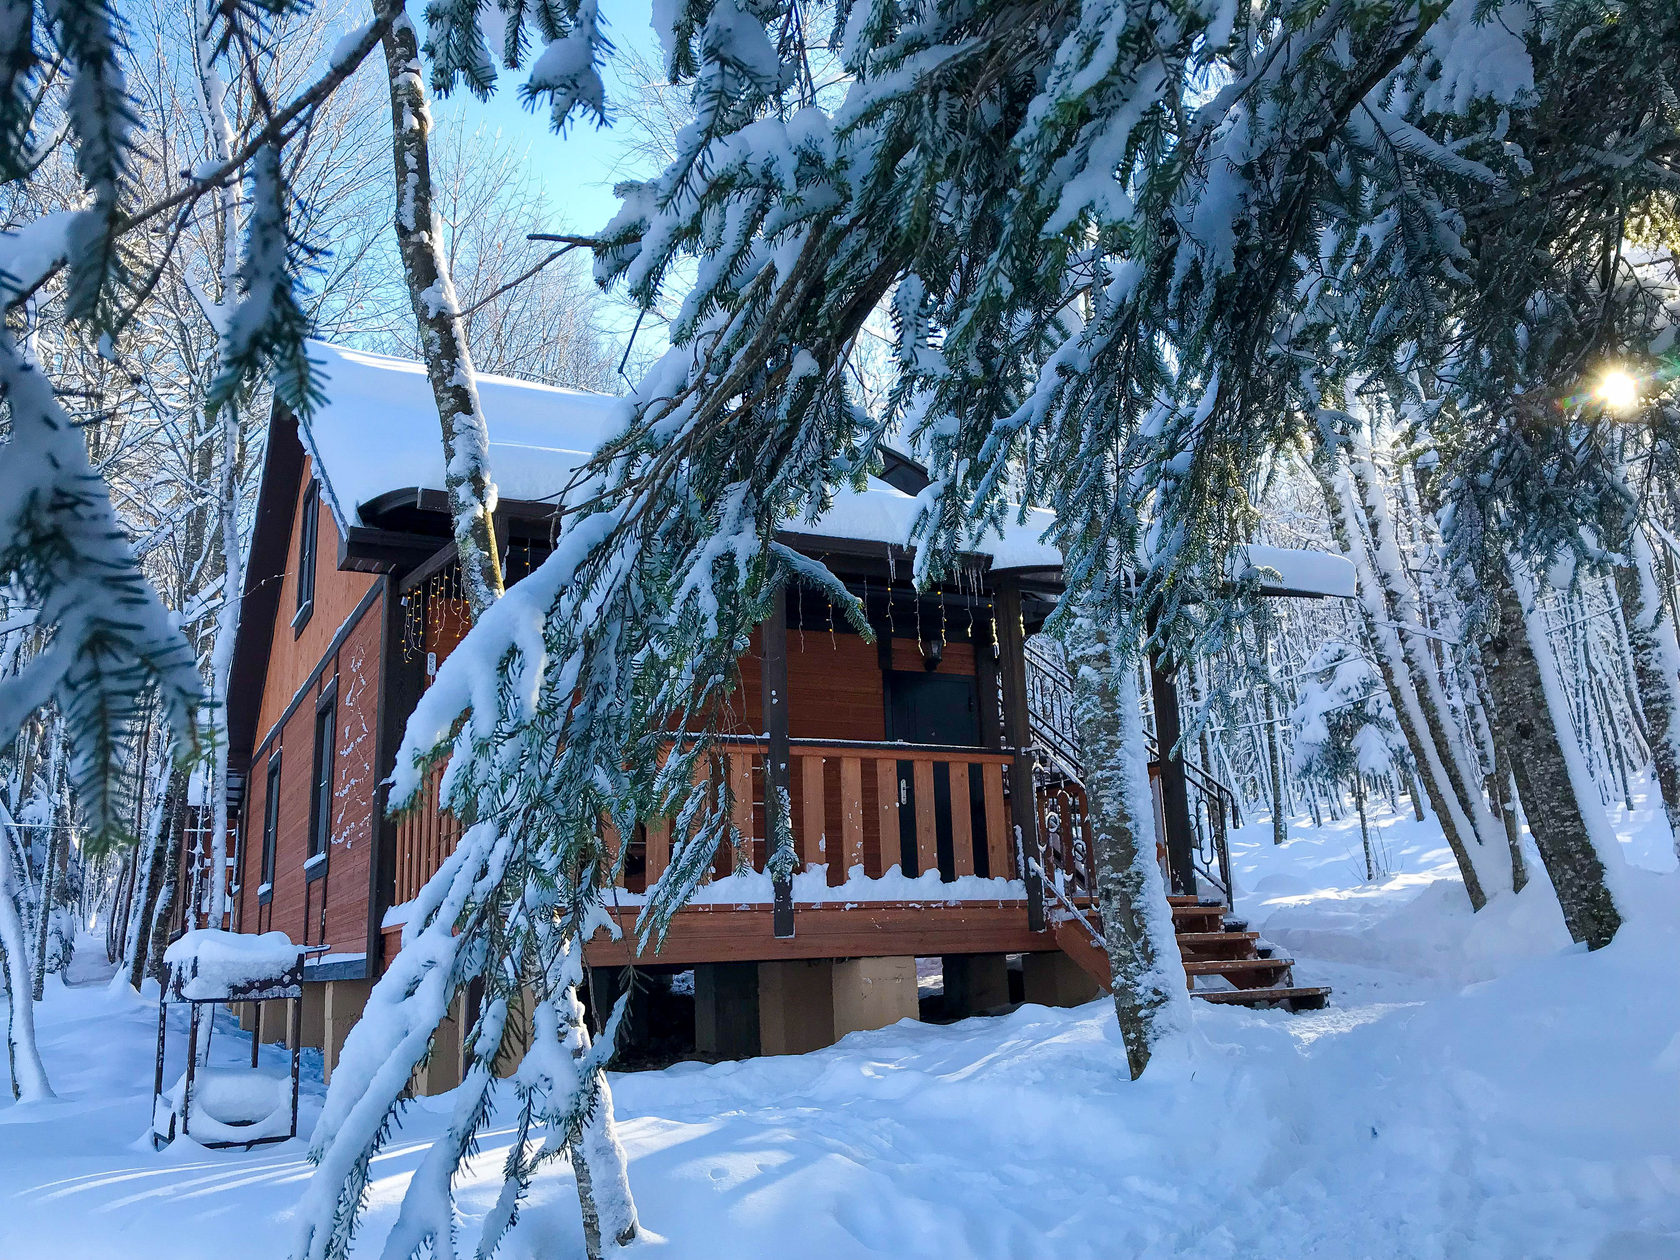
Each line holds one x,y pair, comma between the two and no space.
377,432
1302,572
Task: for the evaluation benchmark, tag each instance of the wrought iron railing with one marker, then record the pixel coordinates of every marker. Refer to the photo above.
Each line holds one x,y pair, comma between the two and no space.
1050,706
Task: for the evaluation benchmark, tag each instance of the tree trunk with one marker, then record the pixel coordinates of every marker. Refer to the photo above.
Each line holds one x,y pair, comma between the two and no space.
169,885
1364,825
149,883
49,862
443,338
1274,752
1526,725
1403,609
1145,968
1656,666
1508,806
29,1076
1396,674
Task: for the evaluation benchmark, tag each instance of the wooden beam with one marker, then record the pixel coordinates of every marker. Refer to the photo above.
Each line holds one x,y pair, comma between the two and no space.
1017,735
1175,790
778,796
701,934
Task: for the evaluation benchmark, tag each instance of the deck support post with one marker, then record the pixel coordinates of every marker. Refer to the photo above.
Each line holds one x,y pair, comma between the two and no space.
311,1025
1052,978
446,1067
795,1005
778,808
342,1005
1017,737
726,1010
874,992
975,983
1175,791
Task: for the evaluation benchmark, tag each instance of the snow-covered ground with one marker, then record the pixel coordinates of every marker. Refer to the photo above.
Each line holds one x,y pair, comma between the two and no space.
1478,1088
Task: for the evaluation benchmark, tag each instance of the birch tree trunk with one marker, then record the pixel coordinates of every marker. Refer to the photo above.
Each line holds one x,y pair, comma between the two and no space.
1274,750
1656,667
1145,968
1527,725
599,1160
1396,674
437,316
29,1076
49,863
1432,700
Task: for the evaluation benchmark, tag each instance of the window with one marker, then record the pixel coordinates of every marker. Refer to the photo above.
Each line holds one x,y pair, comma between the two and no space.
321,791
271,822
308,526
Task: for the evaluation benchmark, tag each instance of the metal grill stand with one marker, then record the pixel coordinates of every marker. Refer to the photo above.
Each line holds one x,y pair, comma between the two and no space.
185,986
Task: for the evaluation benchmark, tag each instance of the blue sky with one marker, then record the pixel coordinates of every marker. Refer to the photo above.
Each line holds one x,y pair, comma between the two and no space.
579,167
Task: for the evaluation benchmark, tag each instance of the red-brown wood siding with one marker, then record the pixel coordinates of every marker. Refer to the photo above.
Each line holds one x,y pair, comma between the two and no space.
345,884
292,656
331,909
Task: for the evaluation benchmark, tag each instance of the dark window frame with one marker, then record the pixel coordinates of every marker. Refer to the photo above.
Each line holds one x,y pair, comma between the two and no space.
309,529
323,771
270,828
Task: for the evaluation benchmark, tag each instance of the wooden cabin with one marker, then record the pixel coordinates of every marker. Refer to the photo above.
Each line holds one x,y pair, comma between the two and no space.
933,773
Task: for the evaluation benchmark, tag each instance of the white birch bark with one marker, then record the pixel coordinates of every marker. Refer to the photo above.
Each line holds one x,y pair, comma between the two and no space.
217,309
29,1075
1655,659
1397,674
1145,967
1432,699
437,315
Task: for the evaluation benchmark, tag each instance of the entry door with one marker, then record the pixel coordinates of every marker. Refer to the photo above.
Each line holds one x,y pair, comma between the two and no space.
934,709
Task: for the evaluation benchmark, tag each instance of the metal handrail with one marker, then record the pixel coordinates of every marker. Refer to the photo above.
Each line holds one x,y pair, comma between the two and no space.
1050,692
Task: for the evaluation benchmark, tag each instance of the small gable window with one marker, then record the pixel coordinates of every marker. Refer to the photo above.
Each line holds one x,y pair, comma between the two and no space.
308,527
270,825
321,790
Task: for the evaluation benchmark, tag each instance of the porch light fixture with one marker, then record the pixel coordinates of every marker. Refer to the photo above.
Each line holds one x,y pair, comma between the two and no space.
933,651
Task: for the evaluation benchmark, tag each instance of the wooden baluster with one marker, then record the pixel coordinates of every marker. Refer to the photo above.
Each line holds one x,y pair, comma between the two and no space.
813,845
428,851
851,813
778,825
997,822
886,803
611,840
962,823
658,848
703,782
399,890
927,824
740,767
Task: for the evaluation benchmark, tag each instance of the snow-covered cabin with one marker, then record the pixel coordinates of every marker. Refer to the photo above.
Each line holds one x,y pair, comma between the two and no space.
906,756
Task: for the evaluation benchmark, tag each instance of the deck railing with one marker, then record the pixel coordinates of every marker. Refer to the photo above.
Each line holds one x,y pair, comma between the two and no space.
878,805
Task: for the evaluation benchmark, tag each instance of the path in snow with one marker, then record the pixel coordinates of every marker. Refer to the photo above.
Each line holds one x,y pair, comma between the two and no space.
1477,1089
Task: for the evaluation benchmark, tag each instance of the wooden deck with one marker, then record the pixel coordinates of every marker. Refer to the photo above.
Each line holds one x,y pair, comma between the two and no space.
874,806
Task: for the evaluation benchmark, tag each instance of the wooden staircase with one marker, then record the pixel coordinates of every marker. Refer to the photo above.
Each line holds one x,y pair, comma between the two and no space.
1224,962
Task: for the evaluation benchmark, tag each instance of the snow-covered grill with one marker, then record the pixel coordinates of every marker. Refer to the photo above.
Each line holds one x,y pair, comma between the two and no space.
219,1107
